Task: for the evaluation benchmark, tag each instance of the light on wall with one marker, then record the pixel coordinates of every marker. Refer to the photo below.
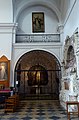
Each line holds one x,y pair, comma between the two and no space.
16,82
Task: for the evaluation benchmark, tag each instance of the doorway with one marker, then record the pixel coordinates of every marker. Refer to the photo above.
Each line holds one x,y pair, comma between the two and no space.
37,74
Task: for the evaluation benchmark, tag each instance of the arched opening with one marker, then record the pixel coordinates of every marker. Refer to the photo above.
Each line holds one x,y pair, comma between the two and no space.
70,57
70,53
37,75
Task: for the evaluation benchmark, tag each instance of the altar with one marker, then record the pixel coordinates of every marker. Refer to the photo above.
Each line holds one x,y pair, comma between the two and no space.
36,89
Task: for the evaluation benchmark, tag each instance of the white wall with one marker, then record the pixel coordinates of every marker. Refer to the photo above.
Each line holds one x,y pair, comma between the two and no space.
6,12
73,21
25,20
6,45
6,26
6,39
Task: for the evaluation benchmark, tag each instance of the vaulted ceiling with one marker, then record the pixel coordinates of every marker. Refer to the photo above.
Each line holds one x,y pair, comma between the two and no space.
59,7
55,5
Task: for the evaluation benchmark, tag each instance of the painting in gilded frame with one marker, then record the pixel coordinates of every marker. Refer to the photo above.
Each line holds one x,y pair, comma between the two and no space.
37,22
3,71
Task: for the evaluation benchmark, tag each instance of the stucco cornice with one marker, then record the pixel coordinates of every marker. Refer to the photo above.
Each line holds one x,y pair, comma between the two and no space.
5,25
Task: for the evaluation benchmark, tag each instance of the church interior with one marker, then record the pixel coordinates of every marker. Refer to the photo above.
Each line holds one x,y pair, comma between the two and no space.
39,60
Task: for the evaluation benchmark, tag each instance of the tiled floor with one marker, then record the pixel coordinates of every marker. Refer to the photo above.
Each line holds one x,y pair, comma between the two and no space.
37,110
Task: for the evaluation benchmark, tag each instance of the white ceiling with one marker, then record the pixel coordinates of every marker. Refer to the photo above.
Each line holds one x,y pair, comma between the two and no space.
59,7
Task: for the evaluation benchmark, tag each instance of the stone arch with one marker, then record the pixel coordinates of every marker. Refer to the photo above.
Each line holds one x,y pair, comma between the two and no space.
53,54
44,59
24,52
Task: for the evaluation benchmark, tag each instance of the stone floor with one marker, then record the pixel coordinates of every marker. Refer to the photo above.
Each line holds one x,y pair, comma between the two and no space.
37,110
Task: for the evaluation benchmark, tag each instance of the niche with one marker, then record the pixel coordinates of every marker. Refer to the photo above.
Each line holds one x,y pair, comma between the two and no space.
70,56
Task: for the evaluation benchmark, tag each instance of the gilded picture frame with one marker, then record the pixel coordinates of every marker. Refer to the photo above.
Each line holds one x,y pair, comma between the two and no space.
38,22
3,71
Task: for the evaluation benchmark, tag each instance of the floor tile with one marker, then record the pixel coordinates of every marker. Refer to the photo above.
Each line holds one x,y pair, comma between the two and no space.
37,110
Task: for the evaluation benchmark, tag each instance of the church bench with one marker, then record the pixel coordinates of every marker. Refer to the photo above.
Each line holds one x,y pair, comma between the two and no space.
16,99
11,103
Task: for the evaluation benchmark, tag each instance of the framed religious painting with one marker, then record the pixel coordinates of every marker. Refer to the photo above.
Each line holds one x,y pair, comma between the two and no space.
3,70
38,22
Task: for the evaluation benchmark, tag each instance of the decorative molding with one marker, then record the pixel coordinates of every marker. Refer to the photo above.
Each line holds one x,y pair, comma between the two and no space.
7,27
33,38
60,29
2,58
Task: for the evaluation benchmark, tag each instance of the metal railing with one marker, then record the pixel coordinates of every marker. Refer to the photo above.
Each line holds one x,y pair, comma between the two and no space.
34,38
47,91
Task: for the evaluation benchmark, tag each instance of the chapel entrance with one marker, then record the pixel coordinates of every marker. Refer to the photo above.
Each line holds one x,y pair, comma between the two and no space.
37,76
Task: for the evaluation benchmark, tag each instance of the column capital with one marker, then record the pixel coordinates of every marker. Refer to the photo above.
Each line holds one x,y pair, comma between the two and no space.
60,28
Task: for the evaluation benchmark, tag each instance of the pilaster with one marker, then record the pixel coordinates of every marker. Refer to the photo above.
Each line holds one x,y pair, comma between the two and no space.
7,37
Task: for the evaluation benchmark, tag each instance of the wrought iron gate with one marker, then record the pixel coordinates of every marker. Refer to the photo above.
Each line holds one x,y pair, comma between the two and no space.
38,91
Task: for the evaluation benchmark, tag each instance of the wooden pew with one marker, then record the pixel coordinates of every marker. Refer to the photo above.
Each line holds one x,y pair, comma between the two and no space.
16,99
11,103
